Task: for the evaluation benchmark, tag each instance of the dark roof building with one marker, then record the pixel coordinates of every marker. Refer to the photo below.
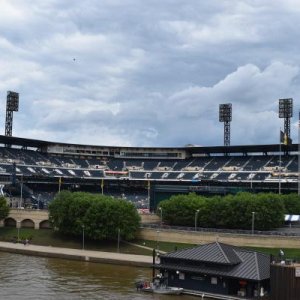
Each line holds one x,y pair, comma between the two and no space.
218,268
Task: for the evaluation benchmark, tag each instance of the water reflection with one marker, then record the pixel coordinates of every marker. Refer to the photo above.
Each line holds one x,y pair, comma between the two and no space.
28,277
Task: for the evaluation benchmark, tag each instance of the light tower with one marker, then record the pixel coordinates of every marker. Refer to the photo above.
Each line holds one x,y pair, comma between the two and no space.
299,154
286,113
225,115
12,104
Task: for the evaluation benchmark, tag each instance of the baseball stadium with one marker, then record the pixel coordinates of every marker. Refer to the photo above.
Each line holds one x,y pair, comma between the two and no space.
33,171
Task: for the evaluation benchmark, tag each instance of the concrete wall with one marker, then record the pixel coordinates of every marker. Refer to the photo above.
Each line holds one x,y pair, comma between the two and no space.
149,218
39,218
191,237
28,218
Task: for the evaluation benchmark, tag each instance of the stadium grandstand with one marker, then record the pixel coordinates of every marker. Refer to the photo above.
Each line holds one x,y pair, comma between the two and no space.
32,171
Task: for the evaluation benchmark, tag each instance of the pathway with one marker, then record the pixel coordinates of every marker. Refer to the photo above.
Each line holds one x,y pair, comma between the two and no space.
77,254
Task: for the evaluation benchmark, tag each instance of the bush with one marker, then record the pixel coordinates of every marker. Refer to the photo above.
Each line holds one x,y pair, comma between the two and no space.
101,216
231,211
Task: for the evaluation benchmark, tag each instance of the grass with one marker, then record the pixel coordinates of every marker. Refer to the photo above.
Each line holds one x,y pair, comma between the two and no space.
288,252
168,247
163,246
48,237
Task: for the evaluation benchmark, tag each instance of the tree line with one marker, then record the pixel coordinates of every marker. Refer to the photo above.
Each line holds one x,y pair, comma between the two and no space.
230,211
101,217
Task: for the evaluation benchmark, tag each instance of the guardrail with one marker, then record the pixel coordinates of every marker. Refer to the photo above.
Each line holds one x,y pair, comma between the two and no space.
218,230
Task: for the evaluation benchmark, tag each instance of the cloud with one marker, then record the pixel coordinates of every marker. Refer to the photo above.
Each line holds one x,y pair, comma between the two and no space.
149,74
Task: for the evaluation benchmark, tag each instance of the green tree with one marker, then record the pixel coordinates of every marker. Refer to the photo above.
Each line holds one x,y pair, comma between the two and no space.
102,216
291,203
180,209
270,212
231,211
4,208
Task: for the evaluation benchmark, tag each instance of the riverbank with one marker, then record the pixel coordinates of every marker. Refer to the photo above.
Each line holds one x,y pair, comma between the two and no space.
77,254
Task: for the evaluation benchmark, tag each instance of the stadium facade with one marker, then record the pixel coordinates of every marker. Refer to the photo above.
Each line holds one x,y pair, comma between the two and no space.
39,167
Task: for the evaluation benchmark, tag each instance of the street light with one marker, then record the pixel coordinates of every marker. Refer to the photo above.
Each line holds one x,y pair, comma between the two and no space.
20,204
148,190
196,218
161,219
251,179
38,205
18,229
118,240
82,236
253,218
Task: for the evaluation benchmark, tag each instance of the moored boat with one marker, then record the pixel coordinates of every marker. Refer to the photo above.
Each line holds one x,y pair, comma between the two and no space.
158,286
163,290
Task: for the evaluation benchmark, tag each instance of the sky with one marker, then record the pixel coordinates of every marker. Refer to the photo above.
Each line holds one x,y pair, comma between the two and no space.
149,72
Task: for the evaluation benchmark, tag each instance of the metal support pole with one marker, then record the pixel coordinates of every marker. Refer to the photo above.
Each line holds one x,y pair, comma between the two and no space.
196,218
148,197
21,191
251,180
161,216
226,133
82,237
118,240
18,230
299,155
153,262
253,218
279,181
59,184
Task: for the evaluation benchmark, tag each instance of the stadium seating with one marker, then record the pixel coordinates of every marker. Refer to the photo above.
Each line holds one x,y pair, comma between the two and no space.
217,168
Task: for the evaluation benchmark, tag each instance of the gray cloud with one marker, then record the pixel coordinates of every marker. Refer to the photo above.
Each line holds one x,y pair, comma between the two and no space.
149,73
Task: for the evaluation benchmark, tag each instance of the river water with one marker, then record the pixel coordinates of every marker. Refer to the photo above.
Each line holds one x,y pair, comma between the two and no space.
29,277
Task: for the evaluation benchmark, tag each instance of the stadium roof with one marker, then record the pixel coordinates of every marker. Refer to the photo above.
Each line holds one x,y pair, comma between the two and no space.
242,149
24,142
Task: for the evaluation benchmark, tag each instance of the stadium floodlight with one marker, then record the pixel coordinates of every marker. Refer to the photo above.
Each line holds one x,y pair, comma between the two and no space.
286,113
225,115
12,104
12,101
225,112
286,108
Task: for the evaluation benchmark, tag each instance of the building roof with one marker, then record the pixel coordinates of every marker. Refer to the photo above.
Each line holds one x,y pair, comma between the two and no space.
221,260
213,253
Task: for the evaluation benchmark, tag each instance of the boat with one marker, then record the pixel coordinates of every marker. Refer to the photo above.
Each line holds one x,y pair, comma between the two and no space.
163,290
158,286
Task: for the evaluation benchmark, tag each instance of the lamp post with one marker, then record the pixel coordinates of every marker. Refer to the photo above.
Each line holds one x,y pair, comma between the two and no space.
38,205
161,218
148,191
18,230
21,201
251,179
118,240
82,236
157,241
102,185
253,218
196,218
59,184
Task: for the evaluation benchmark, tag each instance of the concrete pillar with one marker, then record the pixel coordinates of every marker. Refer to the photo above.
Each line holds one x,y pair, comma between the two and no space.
36,225
18,224
2,223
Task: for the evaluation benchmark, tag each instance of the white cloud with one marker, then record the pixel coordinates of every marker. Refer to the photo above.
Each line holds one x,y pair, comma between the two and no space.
137,73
